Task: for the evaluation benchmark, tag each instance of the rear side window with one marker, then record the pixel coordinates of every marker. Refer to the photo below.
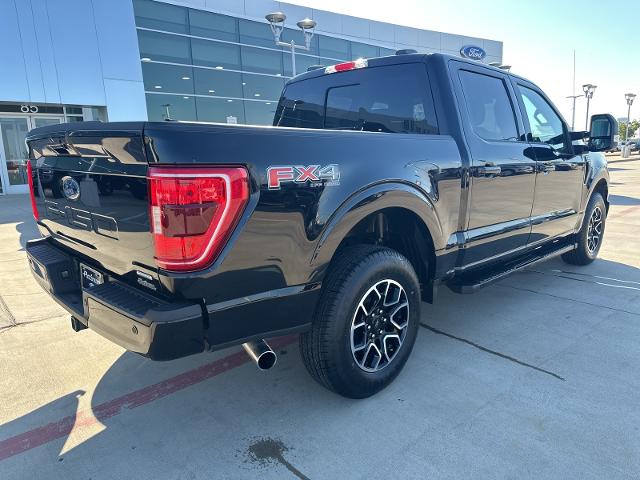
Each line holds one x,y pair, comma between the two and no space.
490,110
391,99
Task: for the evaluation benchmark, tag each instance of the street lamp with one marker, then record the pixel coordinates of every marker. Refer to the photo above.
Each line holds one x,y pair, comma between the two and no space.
629,97
573,114
588,90
276,22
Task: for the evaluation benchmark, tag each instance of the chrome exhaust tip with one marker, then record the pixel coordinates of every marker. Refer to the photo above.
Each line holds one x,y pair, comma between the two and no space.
261,353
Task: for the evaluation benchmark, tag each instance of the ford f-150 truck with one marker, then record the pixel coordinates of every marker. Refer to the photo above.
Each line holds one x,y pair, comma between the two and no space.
379,180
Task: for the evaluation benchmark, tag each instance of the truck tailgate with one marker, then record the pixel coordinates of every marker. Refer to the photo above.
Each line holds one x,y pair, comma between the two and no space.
91,192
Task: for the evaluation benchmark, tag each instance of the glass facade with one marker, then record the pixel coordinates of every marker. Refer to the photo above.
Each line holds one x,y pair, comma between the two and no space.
203,66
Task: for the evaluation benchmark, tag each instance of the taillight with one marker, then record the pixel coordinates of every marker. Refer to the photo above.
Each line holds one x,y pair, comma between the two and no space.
32,190
346,66
193,212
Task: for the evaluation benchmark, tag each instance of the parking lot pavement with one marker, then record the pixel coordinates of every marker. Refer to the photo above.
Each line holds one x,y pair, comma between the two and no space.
534,377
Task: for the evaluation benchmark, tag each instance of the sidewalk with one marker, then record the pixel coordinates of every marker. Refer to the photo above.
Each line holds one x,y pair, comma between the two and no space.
21,298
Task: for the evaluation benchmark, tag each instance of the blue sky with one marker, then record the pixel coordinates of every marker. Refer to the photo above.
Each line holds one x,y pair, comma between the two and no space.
539,38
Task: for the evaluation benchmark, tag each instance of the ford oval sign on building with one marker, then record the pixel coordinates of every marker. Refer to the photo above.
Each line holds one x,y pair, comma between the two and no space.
472,52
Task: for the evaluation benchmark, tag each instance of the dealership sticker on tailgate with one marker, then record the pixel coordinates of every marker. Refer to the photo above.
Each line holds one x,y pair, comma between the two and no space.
90,277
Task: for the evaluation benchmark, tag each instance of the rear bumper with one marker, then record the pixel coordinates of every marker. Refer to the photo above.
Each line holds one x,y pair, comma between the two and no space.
136,321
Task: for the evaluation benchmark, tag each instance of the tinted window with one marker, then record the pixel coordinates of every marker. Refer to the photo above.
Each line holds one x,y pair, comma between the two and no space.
489,107
159,77
215,54
393,99
334,48
212,25
302,105
164,48
160,16
219,83
546,125
261,61
254,33
179,107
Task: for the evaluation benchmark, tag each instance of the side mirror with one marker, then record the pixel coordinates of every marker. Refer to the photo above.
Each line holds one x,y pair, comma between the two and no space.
602,133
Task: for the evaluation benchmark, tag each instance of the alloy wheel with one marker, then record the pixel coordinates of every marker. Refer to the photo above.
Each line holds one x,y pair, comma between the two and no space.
379,325
594,230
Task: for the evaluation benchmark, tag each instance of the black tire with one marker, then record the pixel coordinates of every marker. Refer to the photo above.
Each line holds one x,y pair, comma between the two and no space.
586,252
327,348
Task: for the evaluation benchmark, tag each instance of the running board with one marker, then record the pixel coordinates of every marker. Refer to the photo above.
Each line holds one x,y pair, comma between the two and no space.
474,280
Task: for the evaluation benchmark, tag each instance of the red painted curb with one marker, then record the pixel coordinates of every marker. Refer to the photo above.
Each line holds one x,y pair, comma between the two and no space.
52,431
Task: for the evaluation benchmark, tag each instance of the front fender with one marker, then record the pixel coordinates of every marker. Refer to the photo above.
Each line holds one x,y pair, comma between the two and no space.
364,203
597,173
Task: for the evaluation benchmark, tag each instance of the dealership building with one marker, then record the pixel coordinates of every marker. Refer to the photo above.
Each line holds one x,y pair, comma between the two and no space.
204,60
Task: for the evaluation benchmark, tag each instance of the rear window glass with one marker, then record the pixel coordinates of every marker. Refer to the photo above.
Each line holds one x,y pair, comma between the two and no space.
391,99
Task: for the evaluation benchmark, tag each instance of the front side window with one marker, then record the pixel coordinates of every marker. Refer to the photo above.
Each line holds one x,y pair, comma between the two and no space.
490,110
546,125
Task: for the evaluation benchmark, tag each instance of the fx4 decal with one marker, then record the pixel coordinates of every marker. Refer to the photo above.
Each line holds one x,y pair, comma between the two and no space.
312,175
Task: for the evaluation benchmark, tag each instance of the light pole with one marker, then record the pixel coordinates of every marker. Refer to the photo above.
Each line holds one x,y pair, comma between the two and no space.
629,97
167,113
276,21
573,114
588,90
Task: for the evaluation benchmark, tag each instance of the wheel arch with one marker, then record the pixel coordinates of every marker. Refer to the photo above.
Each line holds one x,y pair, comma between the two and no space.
397,216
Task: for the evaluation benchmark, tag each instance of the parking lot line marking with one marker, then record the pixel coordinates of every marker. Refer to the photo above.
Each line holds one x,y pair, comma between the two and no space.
83,419
560,297
492,352
595,282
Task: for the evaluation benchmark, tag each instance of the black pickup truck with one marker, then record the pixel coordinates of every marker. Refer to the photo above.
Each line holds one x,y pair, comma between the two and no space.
379,180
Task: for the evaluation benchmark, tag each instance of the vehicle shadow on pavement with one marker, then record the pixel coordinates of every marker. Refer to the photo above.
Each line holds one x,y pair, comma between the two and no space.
171,420
26,231
623,200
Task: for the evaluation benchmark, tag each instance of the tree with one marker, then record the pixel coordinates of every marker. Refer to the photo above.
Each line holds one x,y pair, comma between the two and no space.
633,128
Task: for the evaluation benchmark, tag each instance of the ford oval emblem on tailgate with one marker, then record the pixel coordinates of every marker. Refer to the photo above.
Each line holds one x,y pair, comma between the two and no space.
70,188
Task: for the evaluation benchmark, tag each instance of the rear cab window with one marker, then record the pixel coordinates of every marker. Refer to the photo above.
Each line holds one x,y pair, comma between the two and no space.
390,99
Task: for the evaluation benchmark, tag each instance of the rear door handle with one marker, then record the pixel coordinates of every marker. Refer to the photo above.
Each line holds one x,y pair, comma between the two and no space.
489,170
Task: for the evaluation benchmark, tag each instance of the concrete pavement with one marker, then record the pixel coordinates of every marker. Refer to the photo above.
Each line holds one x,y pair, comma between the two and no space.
534,377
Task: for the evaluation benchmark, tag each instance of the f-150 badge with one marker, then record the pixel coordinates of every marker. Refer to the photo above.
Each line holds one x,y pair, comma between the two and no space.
312,175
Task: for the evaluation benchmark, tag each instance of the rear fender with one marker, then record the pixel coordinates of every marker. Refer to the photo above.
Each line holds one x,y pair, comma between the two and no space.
363,204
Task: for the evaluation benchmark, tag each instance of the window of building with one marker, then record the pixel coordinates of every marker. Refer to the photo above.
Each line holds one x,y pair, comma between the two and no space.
163,47
161,78
335,48
546,125
178,107
218,83
254,33
212,25
214,54
224,73
490,110
161,16
303,62
220,110
259,113
362,50
262,87
261,61
393,99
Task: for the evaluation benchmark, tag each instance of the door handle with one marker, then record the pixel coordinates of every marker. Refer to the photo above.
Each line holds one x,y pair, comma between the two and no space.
489,170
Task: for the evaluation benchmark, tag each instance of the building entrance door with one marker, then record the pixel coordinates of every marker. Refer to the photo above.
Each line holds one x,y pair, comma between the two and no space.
13,151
